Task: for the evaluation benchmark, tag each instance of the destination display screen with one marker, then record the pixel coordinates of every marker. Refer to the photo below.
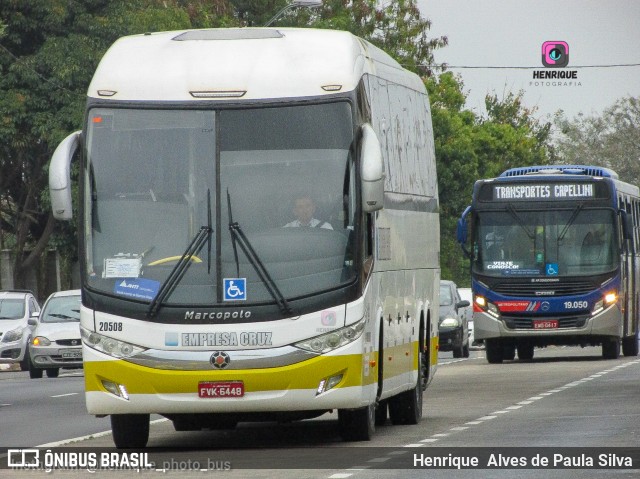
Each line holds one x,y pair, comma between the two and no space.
528,191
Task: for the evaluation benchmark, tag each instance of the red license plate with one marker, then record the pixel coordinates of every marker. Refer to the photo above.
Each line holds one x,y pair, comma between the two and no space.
545,324
221,389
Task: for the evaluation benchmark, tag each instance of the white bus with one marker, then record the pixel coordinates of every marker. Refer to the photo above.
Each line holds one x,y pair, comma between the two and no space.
197,303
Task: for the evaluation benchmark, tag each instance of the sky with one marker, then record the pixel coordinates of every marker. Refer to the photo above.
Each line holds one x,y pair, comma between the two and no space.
511,33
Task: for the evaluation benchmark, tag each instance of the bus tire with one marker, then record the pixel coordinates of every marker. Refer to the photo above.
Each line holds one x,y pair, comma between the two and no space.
382,413
630,345
611,348
406,407
130,430
525,351
494,351
357,424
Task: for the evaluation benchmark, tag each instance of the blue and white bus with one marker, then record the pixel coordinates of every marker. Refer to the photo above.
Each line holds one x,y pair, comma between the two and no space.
554,260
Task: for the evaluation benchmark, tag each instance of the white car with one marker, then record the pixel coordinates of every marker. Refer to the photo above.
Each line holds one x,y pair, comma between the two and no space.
16,309
56,339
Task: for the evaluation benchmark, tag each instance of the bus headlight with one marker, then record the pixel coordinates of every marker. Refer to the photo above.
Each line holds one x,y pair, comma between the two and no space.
607,300
487,306
333,340
110,346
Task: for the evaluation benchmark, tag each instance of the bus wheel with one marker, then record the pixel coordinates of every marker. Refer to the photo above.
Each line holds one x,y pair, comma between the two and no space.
525,351
630,345
494,350
406,407
130,430
611,348
357,424
381,413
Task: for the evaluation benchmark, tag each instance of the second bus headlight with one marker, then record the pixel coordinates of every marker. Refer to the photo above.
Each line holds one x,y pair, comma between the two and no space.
487,306
333,340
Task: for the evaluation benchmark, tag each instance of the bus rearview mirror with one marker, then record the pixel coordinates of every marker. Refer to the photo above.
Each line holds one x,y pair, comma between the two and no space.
372,171
60,177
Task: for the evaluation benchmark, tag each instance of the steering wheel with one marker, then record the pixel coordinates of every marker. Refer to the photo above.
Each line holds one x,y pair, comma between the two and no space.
169,259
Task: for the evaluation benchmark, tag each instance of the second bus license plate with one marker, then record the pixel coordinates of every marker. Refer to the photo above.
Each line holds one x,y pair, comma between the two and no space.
220,389
545,324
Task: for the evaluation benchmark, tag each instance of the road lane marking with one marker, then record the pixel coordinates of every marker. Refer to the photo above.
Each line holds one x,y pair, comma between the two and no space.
63,395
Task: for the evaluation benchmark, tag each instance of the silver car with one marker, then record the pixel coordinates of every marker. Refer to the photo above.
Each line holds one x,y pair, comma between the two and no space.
56,340
17,308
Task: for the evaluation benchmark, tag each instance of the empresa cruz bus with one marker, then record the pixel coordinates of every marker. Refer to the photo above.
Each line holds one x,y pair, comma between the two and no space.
196,303
554,260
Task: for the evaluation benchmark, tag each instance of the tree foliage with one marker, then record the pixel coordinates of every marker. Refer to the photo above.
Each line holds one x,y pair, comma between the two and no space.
470,147
48,52
611,139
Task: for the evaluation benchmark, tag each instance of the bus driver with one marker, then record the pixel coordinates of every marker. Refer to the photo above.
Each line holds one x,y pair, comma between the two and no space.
303,209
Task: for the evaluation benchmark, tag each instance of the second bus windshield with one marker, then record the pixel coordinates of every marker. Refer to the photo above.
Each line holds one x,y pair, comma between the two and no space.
564,242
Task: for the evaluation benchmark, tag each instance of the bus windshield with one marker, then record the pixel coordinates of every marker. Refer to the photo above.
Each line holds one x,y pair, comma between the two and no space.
155,178
567,242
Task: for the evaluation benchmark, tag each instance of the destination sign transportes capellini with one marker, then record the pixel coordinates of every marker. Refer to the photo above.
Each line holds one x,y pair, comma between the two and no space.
544,192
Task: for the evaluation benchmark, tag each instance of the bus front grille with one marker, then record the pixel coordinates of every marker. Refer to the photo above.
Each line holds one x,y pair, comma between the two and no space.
540,290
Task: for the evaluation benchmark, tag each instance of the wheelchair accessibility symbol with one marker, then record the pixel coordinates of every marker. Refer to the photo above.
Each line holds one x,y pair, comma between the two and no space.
235,289
552,269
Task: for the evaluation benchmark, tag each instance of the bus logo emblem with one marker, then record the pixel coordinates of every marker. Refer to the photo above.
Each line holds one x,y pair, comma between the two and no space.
220,360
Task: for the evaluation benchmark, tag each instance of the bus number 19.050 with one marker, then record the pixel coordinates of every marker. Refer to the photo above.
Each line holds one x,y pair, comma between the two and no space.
576,304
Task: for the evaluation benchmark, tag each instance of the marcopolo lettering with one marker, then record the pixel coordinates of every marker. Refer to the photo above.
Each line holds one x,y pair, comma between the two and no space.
242,314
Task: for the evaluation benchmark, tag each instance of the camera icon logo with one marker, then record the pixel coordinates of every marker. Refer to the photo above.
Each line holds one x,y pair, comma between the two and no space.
555,54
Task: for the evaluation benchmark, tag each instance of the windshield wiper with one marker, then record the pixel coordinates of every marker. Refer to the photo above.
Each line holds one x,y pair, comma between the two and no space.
179,269
522,224
238,236
184,262
570,222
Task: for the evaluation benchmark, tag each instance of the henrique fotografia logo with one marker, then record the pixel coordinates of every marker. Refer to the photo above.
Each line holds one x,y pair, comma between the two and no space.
555,54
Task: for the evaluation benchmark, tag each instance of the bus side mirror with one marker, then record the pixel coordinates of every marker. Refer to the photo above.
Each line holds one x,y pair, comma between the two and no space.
60,177
627,224
371,170
462,232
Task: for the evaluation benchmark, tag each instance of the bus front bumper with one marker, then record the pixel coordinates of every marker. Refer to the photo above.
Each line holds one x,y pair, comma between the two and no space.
116,386
605,323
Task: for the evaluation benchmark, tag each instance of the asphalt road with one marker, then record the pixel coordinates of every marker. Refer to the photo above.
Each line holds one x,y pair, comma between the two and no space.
564,398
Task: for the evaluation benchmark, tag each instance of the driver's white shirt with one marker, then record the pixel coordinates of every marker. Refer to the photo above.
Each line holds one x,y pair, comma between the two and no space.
312,224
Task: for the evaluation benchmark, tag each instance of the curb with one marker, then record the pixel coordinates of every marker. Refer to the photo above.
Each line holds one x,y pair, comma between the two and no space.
9,367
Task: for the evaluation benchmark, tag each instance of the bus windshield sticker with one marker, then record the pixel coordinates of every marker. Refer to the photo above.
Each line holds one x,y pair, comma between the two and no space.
138,288
521,272
122,267
503,265
552,269
235,289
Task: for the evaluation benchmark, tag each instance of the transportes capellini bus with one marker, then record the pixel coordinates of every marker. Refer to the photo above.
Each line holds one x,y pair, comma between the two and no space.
554,260
198,304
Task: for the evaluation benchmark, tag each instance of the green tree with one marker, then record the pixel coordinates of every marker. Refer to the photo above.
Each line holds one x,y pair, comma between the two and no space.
470,147
48,52
611,139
